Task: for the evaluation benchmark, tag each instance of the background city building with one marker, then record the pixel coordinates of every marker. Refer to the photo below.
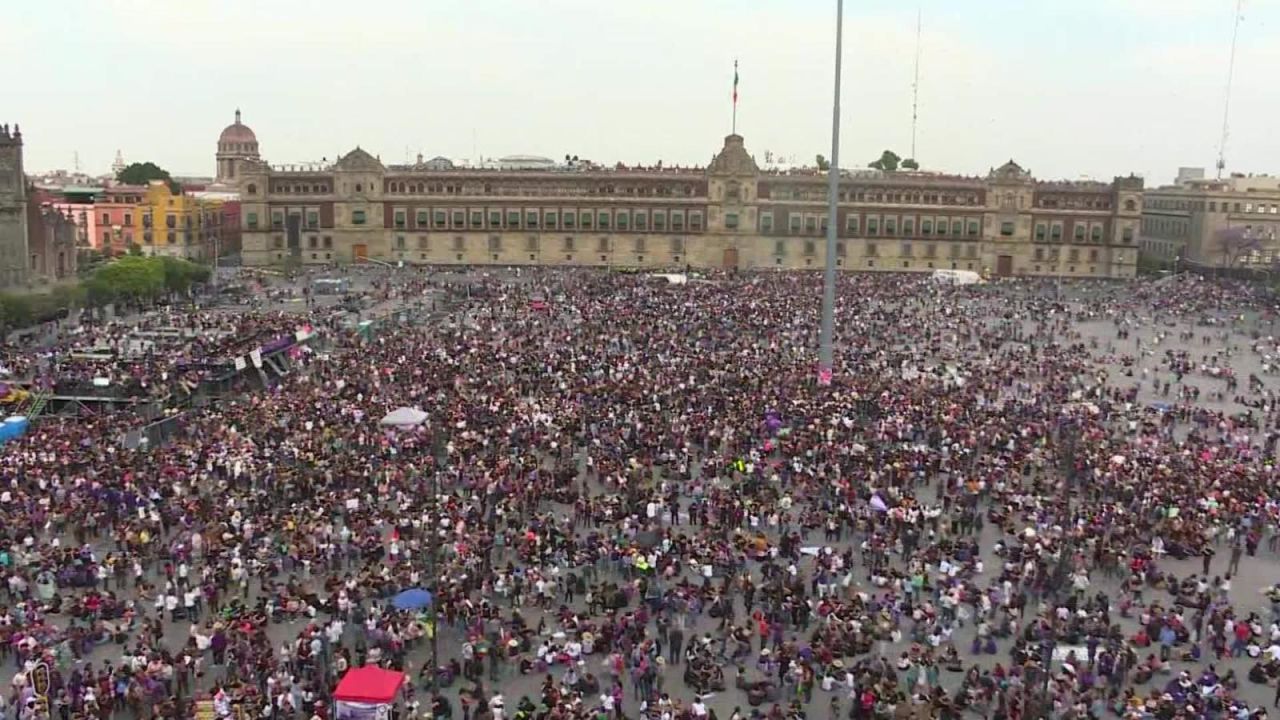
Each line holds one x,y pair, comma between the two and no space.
1232,222
237,146
730,215
13,209
51,241
176,224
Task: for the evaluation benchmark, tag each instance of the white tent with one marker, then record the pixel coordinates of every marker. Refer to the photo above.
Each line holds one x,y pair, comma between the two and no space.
956,277
404,417
672,278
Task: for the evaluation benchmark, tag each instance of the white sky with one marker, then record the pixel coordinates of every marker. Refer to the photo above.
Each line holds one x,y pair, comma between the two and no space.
1066,87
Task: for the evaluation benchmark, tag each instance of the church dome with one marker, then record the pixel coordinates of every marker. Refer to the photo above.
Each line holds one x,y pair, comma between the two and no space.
238,138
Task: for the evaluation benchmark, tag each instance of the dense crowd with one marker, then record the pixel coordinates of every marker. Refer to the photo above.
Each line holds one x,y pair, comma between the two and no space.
631,498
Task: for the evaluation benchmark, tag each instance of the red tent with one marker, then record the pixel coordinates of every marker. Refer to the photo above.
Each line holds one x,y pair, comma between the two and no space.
369,684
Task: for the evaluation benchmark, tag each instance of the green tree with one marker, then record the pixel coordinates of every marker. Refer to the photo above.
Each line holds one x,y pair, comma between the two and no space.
143,173
15,311
69,295
98,292
888,162
910,164
822,163
130,277
179,275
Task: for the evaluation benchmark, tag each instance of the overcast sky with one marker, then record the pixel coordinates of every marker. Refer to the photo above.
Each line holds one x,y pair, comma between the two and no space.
1068,88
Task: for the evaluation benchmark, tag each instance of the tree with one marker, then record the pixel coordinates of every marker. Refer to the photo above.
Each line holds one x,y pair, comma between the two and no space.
822,163
69,295
130,277
179,275
15,311
143,173
910,164
88,260
1236,243
888,161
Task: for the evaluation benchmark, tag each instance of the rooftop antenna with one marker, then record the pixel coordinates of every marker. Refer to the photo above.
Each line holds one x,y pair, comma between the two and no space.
915,88
76,160
1226,103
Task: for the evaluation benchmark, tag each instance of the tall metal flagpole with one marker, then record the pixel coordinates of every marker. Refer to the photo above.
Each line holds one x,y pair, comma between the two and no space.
734,127
826,353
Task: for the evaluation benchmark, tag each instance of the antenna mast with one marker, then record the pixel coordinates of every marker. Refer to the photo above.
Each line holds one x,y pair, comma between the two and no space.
915,89
1226,103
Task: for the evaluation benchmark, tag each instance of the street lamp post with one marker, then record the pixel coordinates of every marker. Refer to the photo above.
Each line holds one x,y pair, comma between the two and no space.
441,452
826,353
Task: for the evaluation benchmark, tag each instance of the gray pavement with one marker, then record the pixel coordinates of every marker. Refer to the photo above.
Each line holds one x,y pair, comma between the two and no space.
1256,573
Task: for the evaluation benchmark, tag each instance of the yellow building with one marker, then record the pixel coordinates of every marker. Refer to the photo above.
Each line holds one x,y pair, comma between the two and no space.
178,225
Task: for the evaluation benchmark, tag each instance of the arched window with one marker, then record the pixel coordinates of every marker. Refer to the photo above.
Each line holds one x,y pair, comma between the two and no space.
1129,205
359,188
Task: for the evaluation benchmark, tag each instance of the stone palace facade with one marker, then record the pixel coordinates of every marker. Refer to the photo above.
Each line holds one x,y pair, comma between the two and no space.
729,215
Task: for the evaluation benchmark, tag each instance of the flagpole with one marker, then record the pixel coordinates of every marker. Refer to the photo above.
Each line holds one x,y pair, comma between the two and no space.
826,351
735,98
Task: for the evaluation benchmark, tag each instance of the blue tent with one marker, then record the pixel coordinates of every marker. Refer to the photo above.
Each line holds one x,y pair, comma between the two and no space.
12,428
412,599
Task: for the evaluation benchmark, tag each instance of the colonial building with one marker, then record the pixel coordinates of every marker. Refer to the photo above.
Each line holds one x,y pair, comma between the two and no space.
116,208
176,225
13,209
237,146
730,215
1224,223
51,241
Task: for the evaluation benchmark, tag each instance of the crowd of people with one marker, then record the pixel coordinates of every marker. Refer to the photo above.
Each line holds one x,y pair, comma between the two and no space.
632,498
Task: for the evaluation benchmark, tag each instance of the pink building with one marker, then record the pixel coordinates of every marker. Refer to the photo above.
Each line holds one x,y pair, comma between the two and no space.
118,218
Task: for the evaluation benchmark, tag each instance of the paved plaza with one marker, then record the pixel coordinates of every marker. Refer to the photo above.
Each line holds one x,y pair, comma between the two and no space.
997,510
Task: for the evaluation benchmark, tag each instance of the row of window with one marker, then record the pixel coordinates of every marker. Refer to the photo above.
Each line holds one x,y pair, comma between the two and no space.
1073,254
1052,232
627,220
495,243
535,189
1080,202
1211,206
906,249
171,237
292,188
815,193
312,219
1166,227
170,221
533,243
1160,247
873,224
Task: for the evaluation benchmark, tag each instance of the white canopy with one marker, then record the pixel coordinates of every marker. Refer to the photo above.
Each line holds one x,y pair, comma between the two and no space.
404,417
956,277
